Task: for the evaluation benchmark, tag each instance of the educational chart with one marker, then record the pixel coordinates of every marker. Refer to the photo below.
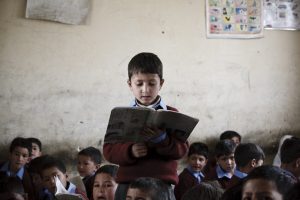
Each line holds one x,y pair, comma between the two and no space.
282,14
234,18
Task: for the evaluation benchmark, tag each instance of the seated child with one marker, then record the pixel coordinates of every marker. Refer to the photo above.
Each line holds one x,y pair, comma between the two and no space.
89,160
145,188
105,183
11,188
224,154
54,170
204,191
247,157
266,182
36,150
19,153
157,156
290,156
231,135
192,174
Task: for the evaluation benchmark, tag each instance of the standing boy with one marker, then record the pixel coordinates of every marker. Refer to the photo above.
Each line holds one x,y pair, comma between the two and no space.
156,157
192,175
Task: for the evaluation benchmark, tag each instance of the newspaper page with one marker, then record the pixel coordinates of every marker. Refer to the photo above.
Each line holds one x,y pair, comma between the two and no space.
234,19
65,11
282,14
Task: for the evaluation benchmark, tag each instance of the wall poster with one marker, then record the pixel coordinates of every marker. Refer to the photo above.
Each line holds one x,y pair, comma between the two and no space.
282,14
234,18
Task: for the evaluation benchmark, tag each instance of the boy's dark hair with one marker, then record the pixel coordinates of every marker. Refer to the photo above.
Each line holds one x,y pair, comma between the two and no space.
274,174
108,169
227,135
204,191
155,188
36,164
20,142
290,150
145,63
52,162
246,152
93,153
224,148
198,148
293,193
35,141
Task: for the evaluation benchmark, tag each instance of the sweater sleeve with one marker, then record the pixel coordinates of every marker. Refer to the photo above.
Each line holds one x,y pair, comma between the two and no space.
118,153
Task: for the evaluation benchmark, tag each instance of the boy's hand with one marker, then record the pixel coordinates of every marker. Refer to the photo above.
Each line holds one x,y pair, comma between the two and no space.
139,150
153,134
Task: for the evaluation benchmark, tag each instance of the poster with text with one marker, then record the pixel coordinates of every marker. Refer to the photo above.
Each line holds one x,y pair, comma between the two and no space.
282,14
234,19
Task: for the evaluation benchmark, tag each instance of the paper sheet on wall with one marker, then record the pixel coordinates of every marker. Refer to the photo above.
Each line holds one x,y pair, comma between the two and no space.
282,14
64,11
234,18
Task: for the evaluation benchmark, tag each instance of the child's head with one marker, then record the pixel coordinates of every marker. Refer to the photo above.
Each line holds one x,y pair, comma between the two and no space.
145,188
231,135
290,155
224,153
197,156
36,150
105,185
51,168
19,152
266,182
89,160
204,191
145,77
248,156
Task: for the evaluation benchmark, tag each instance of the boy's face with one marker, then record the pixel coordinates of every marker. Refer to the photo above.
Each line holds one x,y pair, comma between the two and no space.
236,140
227,163
256,189
36,152
137,194
48,177
145,87
85,166
197,162
18,158
104,187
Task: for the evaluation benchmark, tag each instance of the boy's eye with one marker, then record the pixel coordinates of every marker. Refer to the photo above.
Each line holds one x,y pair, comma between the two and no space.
96,185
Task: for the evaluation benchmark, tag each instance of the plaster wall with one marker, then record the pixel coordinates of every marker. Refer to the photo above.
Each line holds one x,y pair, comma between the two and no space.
59,82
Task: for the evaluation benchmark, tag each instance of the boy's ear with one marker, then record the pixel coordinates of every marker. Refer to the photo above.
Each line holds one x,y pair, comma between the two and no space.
297,163
129,83
162,82
253,163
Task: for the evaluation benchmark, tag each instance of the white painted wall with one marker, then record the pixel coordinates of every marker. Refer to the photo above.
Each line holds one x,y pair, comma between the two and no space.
59,82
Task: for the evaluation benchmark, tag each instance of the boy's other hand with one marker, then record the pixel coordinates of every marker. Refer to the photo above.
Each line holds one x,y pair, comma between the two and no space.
151,133
139,150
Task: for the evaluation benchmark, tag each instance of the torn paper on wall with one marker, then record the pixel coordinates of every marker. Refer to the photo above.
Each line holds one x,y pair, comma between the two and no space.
64,11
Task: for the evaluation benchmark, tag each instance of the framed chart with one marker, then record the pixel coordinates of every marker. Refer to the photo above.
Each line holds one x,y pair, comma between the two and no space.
234,18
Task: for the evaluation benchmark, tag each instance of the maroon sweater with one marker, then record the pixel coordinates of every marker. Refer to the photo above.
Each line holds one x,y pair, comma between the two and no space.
186,182
160,162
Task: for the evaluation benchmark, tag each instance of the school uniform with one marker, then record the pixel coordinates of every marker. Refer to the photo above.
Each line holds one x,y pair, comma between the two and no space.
221,176
236,178
23,175
187,179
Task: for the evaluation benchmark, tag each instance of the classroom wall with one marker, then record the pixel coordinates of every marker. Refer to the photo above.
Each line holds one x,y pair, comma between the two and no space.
59,82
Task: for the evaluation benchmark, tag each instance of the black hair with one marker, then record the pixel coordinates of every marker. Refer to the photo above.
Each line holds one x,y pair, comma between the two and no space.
204,191
274,174
108,169
155,188
290,150
35,141
230,134
246,152
36,164
50,162
293,193
145,63
20,142
224,148
198,148
93,153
